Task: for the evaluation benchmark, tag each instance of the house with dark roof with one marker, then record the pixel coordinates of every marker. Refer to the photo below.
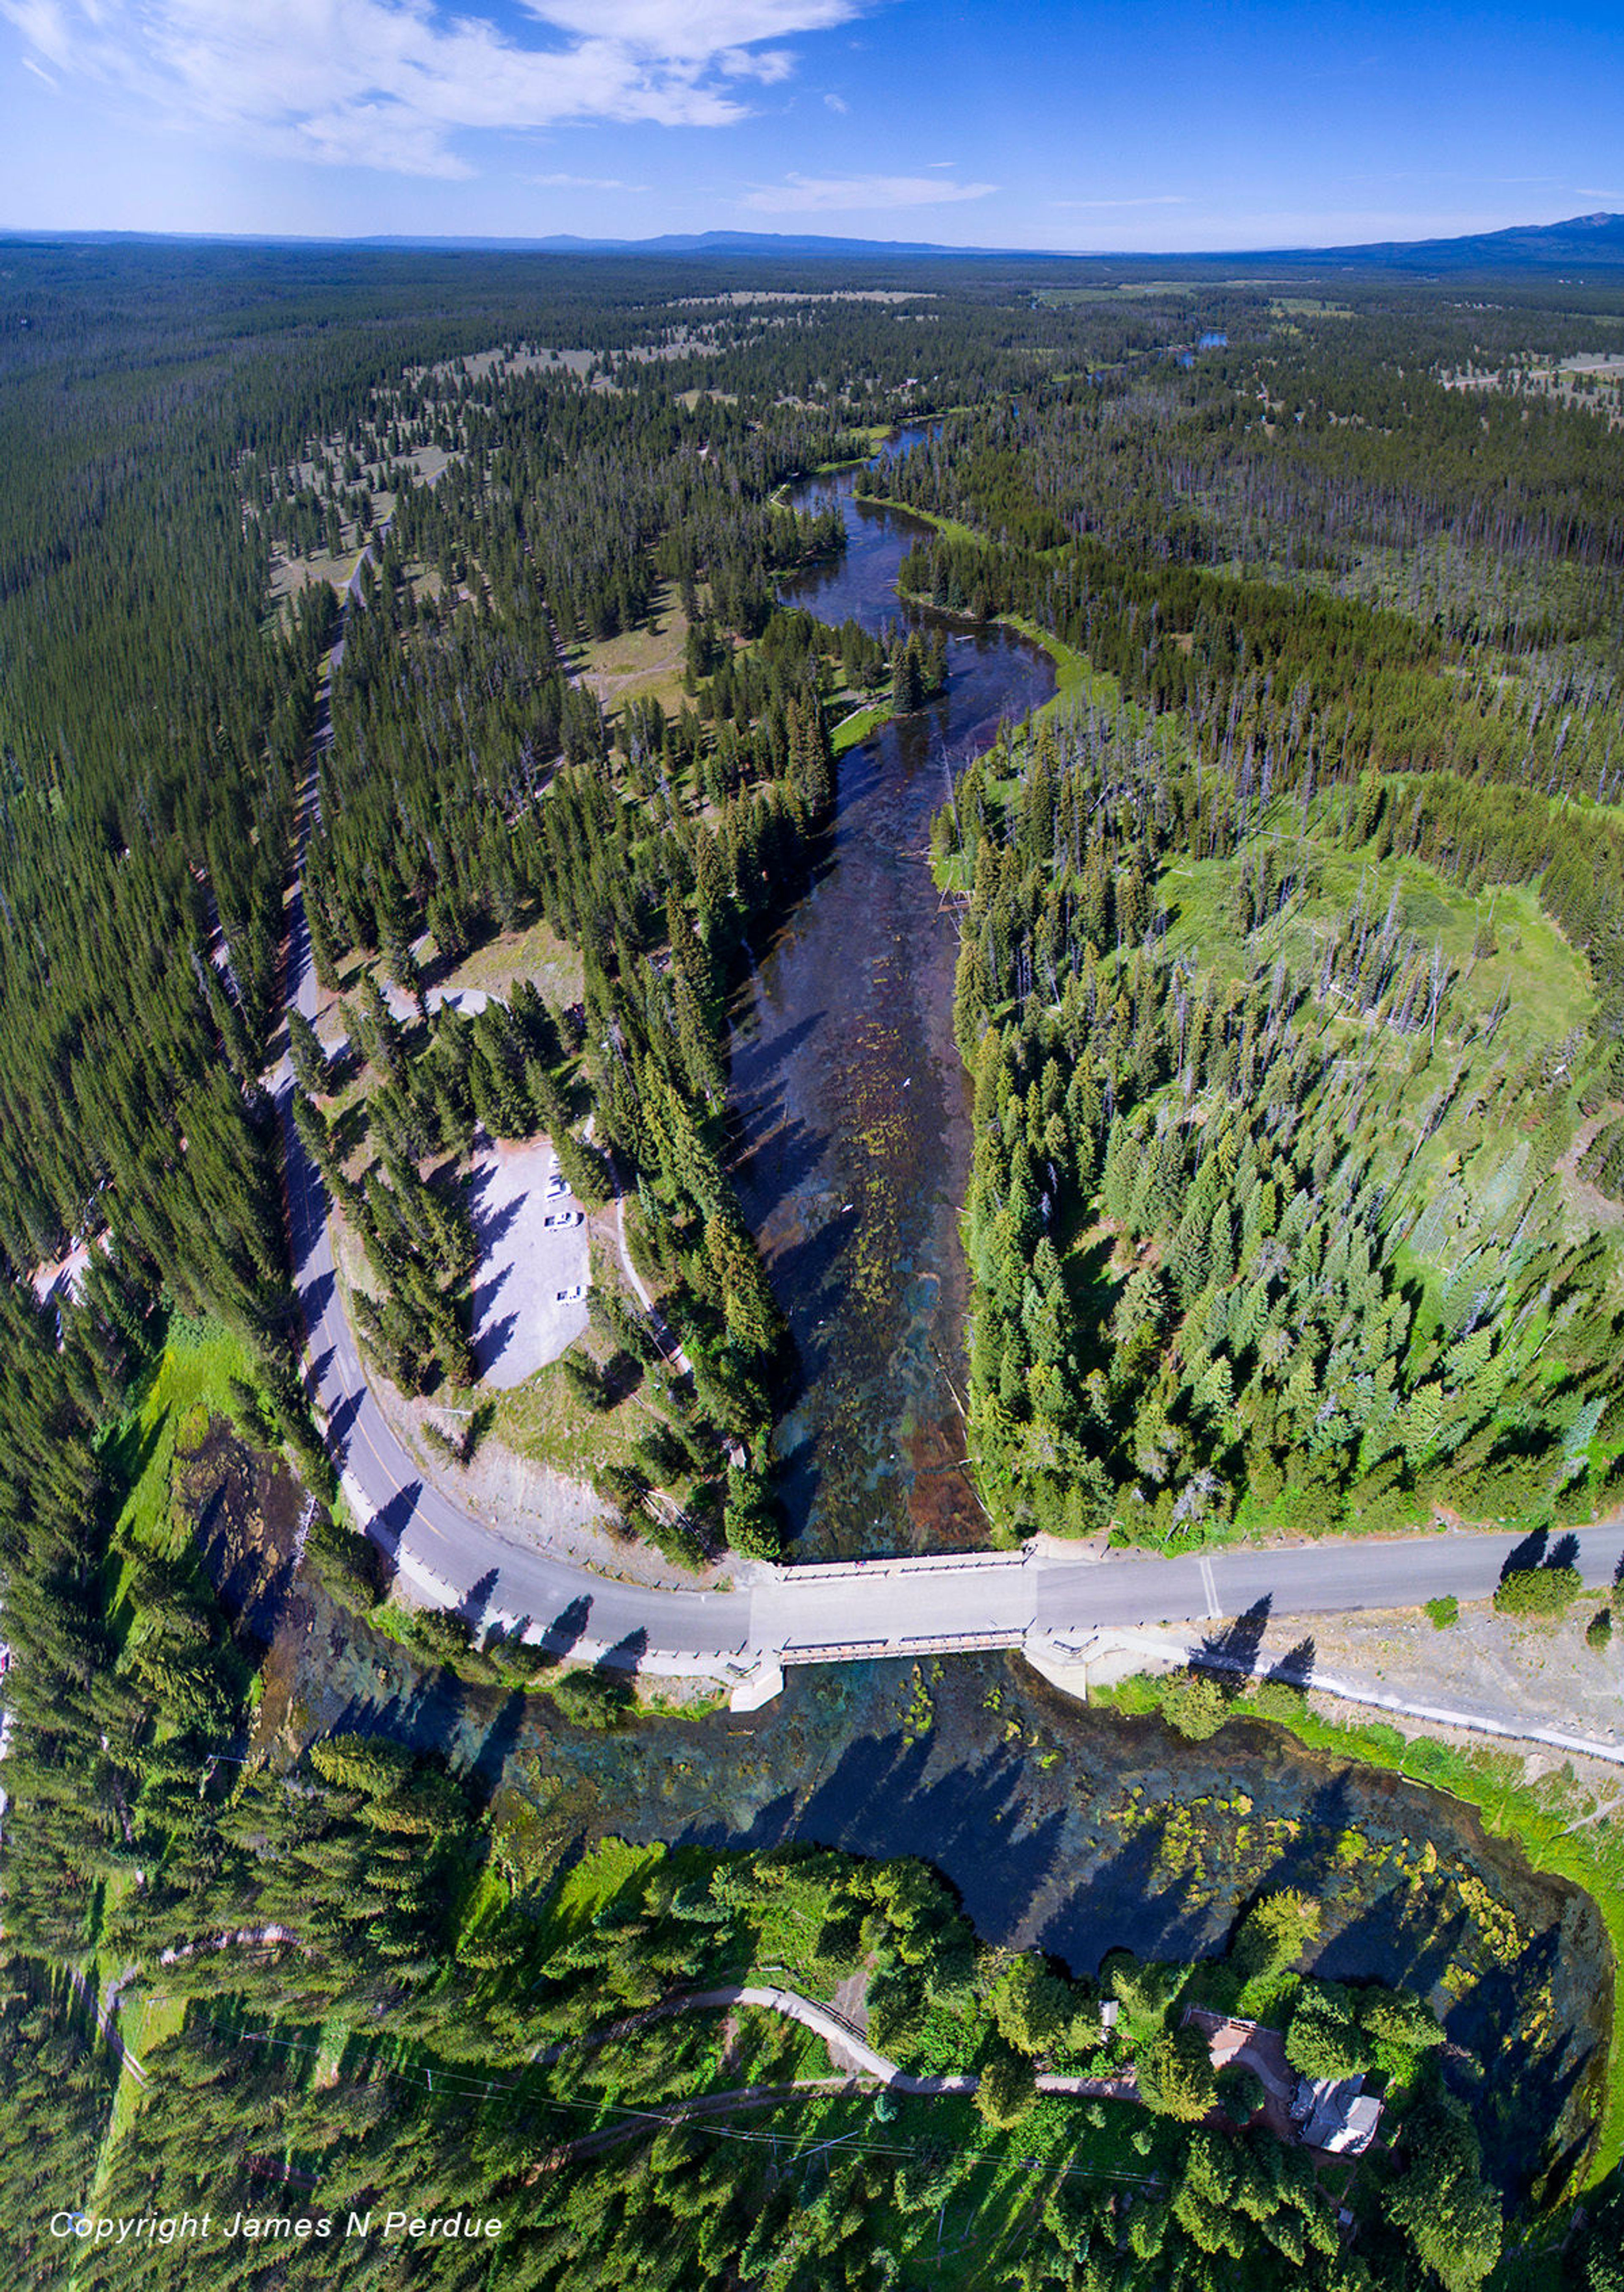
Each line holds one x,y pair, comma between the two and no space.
1336,2114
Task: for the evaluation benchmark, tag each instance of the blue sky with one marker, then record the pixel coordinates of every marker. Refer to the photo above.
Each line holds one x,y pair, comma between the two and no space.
1100,124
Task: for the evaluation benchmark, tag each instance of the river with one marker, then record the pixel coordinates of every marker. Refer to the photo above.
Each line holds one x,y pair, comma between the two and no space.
852,1097
1070,1828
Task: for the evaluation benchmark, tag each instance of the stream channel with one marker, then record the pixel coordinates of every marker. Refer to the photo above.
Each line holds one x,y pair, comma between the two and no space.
1072,1828
852,1097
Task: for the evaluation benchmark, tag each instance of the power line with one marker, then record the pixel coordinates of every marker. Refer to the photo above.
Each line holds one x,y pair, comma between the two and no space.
454,2083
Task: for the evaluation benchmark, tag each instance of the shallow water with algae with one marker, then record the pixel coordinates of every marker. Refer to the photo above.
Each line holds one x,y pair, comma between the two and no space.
852,1097
1078,1831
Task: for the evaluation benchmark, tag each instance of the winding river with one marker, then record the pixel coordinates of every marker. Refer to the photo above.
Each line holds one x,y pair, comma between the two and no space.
1068,1827
852,1096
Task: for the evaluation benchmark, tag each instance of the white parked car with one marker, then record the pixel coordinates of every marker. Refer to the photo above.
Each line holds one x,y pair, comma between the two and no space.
557,1184
572,1296
563,1217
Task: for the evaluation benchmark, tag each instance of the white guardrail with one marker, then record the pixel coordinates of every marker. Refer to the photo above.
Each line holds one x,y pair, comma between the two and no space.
929,1563
915,1644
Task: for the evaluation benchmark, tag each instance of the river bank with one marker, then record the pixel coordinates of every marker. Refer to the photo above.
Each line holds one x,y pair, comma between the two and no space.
1076,676
1079,1830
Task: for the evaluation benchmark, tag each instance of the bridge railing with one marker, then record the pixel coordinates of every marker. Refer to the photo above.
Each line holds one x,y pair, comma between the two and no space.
926,1563
915,1644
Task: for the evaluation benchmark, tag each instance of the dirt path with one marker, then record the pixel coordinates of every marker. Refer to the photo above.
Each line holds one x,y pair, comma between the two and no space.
105,2011
673,1351
843,2036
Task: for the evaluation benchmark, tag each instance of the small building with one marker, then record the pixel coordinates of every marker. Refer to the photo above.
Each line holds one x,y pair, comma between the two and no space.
1336,2114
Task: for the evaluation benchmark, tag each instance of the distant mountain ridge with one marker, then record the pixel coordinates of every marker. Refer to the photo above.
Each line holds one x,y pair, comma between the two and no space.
1581,244
1592,242
709,242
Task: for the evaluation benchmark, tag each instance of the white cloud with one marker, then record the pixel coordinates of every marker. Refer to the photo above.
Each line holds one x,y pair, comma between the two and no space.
696,29
40,72
828,195
1163,199
390,83
837,103
583,183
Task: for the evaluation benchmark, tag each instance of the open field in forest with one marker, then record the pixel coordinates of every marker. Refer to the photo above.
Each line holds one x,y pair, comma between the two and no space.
291,572
645,663
1545,985
535,953
545,1420
1377,1072
1061,298
191,1384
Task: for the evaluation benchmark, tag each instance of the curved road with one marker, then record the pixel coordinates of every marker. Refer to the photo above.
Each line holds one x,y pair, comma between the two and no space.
823,1613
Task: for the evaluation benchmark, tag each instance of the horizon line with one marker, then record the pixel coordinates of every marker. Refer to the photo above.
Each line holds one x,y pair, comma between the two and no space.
806,242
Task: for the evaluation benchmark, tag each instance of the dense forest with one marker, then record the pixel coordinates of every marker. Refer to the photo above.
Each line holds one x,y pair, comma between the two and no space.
1265,1212
1289,986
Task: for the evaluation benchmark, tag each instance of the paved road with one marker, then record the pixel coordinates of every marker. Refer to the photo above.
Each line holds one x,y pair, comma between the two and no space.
842,2037
444,1553
811,1614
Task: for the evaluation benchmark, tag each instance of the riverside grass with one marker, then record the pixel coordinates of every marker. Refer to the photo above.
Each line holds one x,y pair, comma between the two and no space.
1546,1818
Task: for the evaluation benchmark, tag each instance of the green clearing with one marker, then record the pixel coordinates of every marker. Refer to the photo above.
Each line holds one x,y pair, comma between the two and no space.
1548,984
1529,997
856,728
1309,306
546,1420
536,953
191,1384
1060,298
1317,1031
607,1871
645,663
159,2017
1076,678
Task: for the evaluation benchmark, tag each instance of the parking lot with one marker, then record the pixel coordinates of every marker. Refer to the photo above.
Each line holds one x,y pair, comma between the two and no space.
519,1320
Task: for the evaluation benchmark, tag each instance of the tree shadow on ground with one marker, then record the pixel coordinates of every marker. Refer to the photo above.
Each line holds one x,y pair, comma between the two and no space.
1295,1668
568,1626
489,1225
879,1800
1232,1653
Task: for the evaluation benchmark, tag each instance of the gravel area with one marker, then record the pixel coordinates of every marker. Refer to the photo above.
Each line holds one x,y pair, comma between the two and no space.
520,1320
1542,1670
